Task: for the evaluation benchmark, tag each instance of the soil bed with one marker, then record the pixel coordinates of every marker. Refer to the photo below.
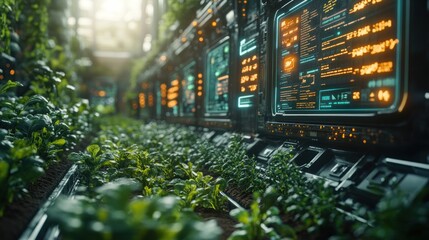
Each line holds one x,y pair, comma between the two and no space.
18,214
233,191
243,198
224,221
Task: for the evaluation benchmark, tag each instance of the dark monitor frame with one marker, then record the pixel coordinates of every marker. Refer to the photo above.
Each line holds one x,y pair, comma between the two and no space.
225,114
400,131
343,118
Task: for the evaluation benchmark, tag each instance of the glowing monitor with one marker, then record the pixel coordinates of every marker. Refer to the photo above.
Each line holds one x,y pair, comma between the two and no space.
335,57
216,87
188,89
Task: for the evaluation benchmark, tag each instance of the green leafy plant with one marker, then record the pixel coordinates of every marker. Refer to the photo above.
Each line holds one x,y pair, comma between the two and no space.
153,162
19,166
395,217
19,162
116,214
8,16
200,190
231,163
309,204
91,163
262,221
39,117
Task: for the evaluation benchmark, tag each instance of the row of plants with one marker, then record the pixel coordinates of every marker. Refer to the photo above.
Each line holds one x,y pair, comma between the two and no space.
130,164
157,157
33,134
116,212
307,207
41,117
139,186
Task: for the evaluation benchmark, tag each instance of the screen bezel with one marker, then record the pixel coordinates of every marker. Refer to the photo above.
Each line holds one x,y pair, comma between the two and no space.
332,115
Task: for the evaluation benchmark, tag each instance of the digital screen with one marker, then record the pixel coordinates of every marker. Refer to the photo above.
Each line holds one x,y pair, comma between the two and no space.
338,57
249,70
188,89
173,96
216,89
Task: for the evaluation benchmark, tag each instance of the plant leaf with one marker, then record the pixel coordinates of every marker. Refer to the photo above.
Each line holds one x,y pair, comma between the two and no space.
93,149
59,142
4,88
4,170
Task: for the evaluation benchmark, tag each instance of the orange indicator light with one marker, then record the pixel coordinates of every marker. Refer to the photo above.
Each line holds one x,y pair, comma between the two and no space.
101,93
384,95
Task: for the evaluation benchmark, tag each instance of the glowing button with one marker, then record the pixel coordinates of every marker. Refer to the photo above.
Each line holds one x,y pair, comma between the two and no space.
288,64
384,95
101,93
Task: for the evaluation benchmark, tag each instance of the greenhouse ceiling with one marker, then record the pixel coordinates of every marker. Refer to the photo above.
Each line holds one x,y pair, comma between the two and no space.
114,29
